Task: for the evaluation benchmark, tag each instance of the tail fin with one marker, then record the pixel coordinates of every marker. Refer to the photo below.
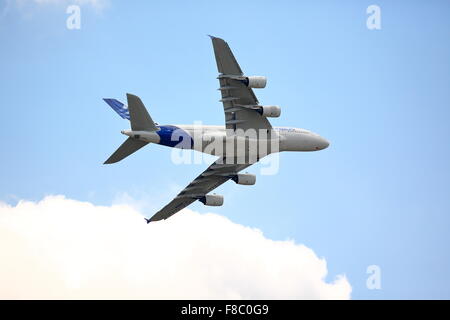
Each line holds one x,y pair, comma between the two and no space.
130,146
140,121
139,117
119,107
135,112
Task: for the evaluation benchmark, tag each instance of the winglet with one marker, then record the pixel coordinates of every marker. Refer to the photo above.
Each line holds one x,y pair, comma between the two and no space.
148,220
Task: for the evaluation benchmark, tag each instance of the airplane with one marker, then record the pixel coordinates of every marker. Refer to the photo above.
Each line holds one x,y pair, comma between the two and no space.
246,137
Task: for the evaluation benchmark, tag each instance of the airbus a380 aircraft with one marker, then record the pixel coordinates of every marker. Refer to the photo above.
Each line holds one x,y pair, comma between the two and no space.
246,137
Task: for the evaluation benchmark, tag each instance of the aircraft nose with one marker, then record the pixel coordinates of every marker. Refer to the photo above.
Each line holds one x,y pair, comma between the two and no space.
322,143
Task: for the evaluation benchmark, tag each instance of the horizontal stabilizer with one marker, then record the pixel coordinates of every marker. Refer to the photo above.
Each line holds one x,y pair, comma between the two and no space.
130,146
139,117
119,107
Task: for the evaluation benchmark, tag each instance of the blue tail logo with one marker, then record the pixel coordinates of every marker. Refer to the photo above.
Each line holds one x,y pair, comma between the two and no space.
119,107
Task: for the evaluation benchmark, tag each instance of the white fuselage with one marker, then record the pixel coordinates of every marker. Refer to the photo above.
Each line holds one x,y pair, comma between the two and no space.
215,140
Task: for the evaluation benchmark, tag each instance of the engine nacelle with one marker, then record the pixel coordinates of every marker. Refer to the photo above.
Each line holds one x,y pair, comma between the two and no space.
256,82
270,111
214,200
246,179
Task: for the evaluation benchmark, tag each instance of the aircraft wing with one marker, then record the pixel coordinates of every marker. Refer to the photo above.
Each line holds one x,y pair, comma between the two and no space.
216,174
237,98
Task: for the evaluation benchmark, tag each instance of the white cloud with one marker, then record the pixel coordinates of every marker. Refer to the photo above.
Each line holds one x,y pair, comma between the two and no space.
67,249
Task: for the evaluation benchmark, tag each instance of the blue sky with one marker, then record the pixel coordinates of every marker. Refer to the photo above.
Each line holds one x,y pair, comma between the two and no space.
378,195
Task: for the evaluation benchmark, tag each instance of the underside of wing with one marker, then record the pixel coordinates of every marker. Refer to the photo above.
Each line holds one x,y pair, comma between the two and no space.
239,101
216,174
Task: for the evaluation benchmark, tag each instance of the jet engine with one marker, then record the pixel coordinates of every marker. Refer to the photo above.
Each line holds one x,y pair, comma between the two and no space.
214,200
270,111
246,179
256,82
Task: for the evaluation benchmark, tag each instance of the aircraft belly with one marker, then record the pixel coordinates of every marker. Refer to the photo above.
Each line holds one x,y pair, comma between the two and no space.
238,147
